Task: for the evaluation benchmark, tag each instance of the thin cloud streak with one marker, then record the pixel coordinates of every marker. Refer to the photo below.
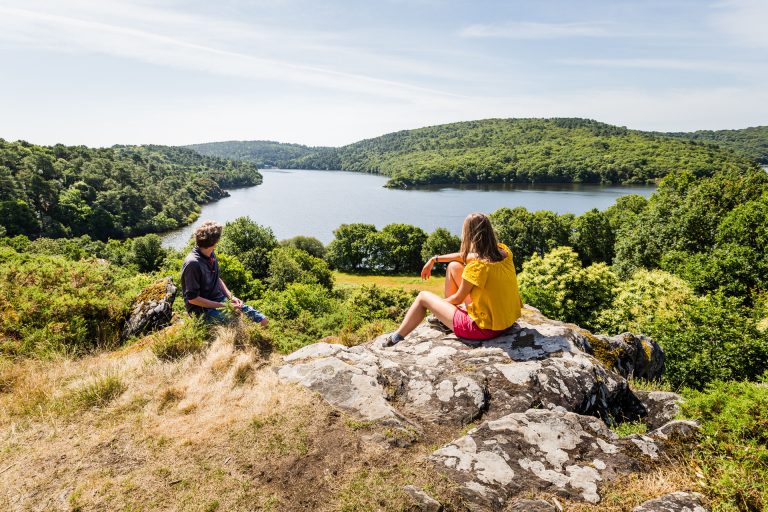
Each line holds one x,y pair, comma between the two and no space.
63,33
664,64
535,30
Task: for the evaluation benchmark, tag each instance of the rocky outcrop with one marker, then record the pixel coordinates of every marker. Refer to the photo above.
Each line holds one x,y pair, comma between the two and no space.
674,502
660,406
151,310
541,392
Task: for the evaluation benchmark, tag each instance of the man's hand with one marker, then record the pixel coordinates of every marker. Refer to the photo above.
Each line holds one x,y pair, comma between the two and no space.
237,302
427,270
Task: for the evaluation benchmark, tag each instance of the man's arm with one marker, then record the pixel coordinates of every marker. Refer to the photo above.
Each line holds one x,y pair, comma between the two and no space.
235,301
205,303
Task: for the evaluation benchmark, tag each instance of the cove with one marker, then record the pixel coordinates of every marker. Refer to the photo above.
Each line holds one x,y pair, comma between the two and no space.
314,203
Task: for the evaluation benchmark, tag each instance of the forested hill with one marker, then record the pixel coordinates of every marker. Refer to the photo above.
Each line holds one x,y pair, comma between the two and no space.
62,191
522,150
260,152
750,142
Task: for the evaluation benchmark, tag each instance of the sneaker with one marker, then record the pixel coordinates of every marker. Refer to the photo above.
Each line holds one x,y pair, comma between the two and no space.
392,339
435,323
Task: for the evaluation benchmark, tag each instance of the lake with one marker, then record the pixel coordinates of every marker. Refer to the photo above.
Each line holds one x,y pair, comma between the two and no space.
314,203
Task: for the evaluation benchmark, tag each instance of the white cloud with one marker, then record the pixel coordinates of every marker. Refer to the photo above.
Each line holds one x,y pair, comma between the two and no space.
744,21
534,30
134,31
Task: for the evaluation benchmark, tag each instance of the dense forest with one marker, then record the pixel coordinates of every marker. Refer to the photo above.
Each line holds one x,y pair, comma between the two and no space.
750,142
263,153
62,191
523,151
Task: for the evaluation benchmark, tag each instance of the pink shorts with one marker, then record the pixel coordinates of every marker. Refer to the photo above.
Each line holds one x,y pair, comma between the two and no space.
465,327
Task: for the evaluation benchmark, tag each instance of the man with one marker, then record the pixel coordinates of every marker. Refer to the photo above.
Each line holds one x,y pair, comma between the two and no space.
204,291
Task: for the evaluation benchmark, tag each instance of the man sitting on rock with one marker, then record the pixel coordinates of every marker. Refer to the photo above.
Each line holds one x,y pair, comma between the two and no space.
204,292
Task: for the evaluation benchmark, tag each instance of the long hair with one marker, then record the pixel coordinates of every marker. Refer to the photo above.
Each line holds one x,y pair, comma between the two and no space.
477,236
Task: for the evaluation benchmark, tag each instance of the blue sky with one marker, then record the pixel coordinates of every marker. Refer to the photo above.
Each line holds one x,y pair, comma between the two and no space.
331,72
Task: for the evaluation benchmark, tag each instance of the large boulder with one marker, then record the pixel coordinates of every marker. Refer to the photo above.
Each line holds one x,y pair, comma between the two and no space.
557,452
541,395
151,310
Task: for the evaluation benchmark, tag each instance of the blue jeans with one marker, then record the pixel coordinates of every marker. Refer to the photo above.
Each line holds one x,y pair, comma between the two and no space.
217,316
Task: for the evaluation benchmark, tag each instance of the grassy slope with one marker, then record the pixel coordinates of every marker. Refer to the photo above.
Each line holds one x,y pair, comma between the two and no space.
434,284
125,431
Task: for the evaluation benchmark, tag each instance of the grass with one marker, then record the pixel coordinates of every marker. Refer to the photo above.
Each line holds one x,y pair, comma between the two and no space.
99,392
179,340
630,427
410,282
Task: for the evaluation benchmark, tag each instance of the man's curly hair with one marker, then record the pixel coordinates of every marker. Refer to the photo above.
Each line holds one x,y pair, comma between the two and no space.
208,234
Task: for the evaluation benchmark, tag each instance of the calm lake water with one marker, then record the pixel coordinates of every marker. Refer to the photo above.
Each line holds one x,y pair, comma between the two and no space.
314,203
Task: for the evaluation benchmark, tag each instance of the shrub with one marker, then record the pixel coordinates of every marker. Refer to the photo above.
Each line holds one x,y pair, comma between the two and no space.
251,243
290,265
238,279
49,304
561,288
370,303
179,340
733,451
350,250
397,248
440,241
306,243
148,253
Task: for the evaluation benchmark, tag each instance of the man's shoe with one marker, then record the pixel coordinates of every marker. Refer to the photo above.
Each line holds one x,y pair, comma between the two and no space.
435,323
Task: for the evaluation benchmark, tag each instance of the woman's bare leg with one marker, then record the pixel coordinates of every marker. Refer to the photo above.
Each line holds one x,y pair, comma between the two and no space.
453,280
426,301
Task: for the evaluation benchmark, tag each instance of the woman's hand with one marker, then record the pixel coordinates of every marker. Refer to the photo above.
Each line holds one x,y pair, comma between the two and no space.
427,270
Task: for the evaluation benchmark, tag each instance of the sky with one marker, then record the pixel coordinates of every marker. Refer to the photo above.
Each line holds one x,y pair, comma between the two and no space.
332,72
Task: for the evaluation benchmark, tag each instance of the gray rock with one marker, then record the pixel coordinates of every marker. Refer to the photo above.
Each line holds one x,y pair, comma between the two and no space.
675,502
531,506
537,390
562,453
421,501
660,406
677,431
152,309
434,377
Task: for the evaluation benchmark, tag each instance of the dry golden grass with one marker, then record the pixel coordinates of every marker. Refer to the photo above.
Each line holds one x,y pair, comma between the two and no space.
433,284
210,431
215,431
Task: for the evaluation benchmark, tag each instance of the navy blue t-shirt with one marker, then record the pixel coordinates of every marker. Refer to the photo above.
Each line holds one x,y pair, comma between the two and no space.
200,278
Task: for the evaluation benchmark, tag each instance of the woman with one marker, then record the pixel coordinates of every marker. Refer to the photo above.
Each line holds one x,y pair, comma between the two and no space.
481,276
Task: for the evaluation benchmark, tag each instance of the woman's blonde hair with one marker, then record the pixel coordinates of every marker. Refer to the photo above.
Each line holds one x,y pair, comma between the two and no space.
208,234
478,236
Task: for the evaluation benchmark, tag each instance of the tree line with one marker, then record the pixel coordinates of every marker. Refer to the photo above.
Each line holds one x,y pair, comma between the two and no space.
63,191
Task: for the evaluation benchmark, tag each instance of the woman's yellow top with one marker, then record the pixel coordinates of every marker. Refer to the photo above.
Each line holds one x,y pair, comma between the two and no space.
495,297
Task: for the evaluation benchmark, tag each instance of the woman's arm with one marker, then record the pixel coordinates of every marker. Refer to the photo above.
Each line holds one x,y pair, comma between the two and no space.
443,258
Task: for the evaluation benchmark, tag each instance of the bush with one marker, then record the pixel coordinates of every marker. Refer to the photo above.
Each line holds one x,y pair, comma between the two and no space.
181,339
397,248
148,253
350,250
561,288
306,243
440,241
239,279
733,451
251,243
50,304
289,265
370,303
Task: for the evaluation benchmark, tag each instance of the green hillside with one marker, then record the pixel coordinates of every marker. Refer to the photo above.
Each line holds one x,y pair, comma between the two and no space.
260,152
61,191
524,151
751,142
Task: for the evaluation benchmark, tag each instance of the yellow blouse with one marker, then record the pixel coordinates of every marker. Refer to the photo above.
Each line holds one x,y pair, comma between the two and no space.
495,297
